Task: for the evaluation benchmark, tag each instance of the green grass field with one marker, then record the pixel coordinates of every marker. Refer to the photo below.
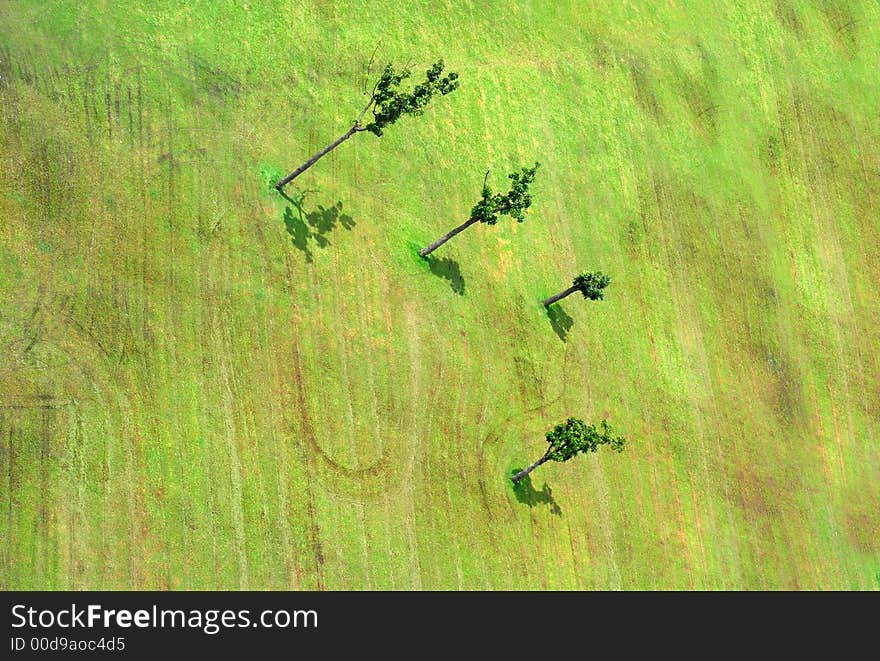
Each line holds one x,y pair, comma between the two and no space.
203,387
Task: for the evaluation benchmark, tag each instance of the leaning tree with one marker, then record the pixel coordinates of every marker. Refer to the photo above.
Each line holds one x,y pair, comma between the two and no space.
512,203
569,438
388,104
589,284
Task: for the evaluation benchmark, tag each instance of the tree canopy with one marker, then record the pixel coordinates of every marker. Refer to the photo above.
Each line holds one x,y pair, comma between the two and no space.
513,203
390,103
591,284
574,436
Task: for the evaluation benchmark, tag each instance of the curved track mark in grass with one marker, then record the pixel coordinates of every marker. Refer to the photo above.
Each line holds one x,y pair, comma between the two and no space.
355,483
490,440
488,469
397,459
488,472
308,431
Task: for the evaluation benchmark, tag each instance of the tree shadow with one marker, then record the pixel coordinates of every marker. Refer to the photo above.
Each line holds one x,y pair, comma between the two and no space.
299,232
525,493
560,321
306,227
448,269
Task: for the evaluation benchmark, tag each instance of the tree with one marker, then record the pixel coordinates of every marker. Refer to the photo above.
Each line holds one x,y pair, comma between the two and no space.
512,203
590,284
569,438
388,103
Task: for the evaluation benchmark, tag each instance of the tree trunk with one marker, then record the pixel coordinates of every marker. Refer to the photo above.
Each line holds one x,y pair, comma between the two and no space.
424,252
550,301
516,478
314,159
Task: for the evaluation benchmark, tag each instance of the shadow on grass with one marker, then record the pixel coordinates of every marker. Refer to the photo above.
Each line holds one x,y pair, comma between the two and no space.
525,493
560,321
448,269
306,227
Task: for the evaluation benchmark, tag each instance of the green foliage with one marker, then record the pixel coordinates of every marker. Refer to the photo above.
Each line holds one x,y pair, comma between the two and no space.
513,203
269,175
591,284
390,103
569,438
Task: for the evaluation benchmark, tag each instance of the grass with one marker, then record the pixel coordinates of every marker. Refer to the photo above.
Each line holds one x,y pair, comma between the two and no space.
188,401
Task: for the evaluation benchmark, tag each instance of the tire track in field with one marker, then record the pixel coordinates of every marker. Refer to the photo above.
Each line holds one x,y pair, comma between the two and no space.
312,445
393,468
495,438
276,423
360,483
335,468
